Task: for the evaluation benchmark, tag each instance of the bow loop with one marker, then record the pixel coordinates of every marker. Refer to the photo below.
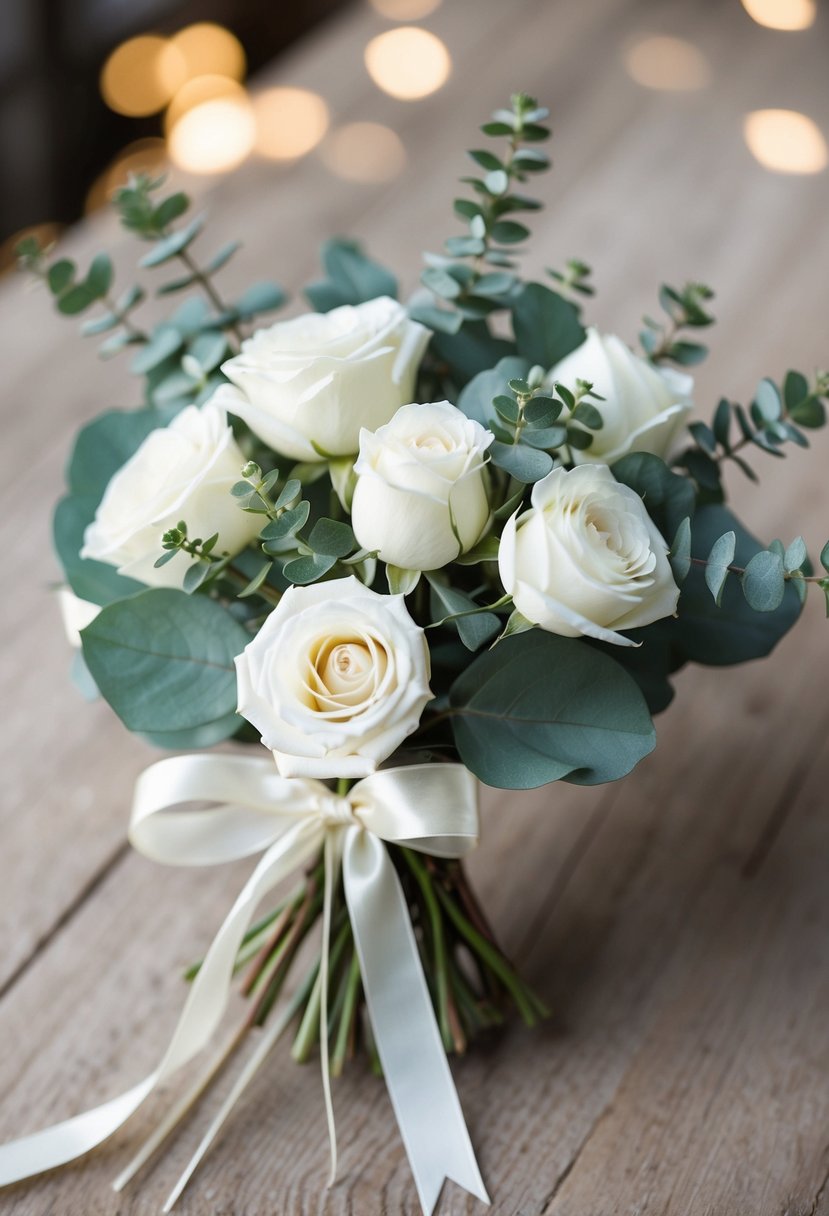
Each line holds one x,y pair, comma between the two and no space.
429,807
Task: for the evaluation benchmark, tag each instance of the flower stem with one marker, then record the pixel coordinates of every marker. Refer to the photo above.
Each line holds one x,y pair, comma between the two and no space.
529,1005
344,1043
447,1013
210,291
309,1027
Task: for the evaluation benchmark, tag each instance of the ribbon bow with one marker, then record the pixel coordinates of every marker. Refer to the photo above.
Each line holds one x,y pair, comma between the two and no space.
431,808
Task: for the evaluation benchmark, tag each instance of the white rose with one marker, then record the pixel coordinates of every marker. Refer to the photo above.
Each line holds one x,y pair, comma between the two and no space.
76,614
335,680
318,378
421,493
644,408
181,471
586,558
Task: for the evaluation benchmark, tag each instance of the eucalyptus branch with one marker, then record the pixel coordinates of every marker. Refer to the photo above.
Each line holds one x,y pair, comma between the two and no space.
205,281
122,317
777,415
686,309
475,278
208,565
788,575
763,579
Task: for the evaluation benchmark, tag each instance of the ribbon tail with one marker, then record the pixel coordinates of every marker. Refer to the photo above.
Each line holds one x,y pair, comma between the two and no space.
202,1012
329,862
408,1041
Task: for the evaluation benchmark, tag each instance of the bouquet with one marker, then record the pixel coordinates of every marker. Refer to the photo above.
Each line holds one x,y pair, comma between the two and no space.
408,548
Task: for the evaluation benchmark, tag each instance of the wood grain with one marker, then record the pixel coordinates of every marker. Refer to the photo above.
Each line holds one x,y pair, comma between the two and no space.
677,922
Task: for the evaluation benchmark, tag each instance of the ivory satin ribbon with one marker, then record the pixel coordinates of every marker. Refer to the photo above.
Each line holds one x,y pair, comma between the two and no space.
431,808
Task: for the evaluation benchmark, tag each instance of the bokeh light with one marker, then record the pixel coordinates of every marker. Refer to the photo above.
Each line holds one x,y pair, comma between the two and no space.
364,152
785,141
782,14
215,134
662,62
141,156
196,92
207,49
141,75
408,63
405,10
289,122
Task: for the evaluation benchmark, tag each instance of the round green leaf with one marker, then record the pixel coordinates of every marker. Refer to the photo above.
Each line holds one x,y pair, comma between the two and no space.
164,660
547,326
538,707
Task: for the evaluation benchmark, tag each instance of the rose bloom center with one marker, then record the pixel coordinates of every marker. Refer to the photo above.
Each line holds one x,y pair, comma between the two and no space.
431,443
345,673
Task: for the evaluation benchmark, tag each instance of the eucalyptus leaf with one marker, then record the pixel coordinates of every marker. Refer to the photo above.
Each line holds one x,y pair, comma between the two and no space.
471,350
680,554
795,556
719,559
475,629
223,256
331,538
441,283
207,735
97,582
538,707
763,581
261,297
668,497
547,327
524,463
733,632
353,277
767,400
75,299
257,581
477,397
164,660
172,245
60,275
100,274
165,341
287,524
208,349
304,570
99,325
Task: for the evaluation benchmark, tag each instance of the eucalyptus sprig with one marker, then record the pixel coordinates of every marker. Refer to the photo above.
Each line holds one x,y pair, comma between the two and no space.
686,309
776,416
574,280
74,293
463,277
530,430
179,356
763,578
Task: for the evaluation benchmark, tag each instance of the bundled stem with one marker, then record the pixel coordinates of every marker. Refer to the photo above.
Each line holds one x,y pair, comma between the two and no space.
472,983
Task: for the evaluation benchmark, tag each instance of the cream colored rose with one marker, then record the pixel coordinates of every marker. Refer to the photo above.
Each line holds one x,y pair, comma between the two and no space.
586,558
644,407
335,680
181,471
318,378
76,614
421,495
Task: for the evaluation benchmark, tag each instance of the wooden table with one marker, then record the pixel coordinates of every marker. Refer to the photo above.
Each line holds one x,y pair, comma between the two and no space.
677,922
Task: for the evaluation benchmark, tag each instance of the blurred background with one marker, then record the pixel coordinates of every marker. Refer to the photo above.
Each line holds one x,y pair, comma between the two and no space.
93,89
